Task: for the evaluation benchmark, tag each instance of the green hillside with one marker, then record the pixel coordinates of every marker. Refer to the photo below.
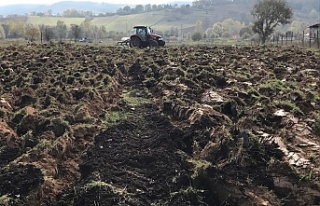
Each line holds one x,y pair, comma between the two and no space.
161,20
52,21
167,19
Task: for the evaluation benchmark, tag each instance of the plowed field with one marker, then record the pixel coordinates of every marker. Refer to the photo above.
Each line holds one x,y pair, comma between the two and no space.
176,126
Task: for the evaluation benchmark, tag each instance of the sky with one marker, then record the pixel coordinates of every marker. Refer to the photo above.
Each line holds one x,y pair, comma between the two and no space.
12,2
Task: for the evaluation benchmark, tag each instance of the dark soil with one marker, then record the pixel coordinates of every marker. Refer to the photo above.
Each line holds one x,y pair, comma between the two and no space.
139,162
17,181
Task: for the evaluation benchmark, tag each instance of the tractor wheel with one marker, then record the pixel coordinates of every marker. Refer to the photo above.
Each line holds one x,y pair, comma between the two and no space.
153,44
135,42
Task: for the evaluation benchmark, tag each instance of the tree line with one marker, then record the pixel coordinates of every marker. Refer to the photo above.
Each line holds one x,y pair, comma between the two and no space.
267,16
19,29
126,10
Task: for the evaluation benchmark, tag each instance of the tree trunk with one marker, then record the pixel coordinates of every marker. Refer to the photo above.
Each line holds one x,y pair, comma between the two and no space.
263,39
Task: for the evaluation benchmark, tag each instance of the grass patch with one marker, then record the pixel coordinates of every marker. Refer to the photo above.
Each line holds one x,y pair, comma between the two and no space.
186,192
317,125
114,117
5,200
100,184
18,116
94,184
315,96
289,106
134,100
43,145
199,166
308,177
278,85
256,95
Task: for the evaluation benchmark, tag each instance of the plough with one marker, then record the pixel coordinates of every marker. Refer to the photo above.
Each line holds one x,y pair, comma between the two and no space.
125,41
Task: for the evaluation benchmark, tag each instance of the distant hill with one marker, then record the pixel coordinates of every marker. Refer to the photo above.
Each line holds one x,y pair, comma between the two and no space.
84,6
22,9
162,20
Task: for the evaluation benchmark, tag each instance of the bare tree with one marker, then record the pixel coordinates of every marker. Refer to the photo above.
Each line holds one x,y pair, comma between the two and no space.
75,32
268,14
49,33
41,27
32,32
61,30
2,32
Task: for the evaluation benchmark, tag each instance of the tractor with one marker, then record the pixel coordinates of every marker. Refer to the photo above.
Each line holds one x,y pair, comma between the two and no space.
143,36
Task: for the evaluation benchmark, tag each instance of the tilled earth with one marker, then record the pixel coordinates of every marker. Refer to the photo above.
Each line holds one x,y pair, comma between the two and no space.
135,163
89,125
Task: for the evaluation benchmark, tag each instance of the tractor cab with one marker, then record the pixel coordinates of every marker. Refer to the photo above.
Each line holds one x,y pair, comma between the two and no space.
141,31
143,36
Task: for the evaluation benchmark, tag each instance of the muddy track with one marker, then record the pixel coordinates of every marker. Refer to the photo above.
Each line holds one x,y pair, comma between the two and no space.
135,163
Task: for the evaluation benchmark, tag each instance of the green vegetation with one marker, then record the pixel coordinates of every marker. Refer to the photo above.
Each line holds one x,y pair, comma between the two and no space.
101,184
5,200
317,124
18,116
315,96
197,36
94,184
52,21
199,166
268,15
43,145
278,85
289,106
113,117
134,100
186,192
308,177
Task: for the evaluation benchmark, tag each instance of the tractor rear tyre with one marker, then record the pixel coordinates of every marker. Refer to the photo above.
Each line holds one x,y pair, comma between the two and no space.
135,42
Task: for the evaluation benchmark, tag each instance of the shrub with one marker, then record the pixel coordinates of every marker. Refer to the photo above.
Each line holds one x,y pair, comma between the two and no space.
246,36
197,36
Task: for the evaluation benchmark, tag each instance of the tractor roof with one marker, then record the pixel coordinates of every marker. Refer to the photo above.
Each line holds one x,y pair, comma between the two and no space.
140,26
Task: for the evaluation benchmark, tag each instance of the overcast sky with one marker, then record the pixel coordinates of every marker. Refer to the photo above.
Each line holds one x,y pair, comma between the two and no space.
10,2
